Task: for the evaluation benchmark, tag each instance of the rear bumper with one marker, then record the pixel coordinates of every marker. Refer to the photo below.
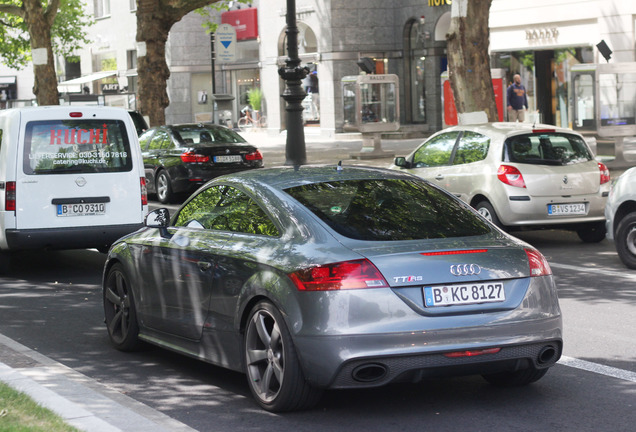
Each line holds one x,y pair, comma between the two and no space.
68,238
529,211
404,356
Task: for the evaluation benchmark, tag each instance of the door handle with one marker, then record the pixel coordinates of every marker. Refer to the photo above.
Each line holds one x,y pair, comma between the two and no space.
204,265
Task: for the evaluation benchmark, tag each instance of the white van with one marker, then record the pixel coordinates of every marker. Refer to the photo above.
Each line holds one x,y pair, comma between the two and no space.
71,177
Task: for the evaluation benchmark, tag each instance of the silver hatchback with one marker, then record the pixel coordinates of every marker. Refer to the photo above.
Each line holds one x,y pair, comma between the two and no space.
518,175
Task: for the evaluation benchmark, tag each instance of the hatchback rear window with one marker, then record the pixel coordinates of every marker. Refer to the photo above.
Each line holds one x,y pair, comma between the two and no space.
388,209
546,149
76,146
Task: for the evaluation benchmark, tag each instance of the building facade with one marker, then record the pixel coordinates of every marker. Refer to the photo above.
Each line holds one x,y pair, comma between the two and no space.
539,39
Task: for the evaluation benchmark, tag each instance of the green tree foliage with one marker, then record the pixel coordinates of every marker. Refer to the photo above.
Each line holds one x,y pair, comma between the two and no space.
67,33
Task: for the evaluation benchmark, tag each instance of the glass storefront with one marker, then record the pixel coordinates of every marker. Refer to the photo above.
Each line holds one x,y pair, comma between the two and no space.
546,76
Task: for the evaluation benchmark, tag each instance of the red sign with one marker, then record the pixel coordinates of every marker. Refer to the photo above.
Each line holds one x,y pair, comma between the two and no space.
245,21
450,111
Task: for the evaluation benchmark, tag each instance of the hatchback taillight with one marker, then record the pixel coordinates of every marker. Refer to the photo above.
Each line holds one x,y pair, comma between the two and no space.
256,155
605,174
511,176
191,157
144,191
339,276
538,264
9,196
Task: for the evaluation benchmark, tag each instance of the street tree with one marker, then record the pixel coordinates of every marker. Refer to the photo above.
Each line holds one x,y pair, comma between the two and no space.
155,18
36,31
468,59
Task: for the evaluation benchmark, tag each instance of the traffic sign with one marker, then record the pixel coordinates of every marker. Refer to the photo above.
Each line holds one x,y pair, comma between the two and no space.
225,43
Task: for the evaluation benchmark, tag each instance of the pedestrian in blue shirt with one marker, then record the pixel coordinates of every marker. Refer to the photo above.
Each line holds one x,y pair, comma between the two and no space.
517,100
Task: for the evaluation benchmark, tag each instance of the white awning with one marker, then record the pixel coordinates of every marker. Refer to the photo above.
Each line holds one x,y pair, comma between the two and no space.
7,80
87,78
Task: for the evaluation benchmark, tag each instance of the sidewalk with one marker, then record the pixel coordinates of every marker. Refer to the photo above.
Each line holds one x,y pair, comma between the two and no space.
81,401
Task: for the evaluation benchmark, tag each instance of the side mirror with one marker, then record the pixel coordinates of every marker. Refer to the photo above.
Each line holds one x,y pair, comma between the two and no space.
159,218
401,162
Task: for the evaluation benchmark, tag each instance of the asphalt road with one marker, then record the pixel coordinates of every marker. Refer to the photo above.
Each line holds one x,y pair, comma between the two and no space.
51,302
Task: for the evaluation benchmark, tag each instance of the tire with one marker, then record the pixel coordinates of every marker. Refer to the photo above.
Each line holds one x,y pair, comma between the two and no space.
273,371
119,310
486,210
592,233
163,186
5,262
625,240
244,124
262,122
516,378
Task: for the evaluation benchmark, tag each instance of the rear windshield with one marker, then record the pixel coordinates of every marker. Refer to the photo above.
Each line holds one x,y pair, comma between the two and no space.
546,149
76,146
388,209
205,135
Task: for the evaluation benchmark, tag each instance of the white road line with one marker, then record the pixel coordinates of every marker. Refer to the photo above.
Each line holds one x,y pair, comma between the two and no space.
599,369
627,274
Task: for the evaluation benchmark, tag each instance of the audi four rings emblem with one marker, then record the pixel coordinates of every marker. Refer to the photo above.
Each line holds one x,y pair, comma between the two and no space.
465,269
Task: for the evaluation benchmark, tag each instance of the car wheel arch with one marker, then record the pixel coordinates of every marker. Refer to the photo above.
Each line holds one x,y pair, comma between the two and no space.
623,210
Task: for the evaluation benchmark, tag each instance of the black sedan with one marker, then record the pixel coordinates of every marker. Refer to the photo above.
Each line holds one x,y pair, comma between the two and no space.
180,158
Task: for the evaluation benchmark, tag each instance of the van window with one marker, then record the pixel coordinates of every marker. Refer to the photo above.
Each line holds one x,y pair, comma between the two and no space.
76,146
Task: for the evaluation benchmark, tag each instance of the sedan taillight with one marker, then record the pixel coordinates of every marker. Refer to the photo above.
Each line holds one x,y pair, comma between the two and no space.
9,196
511,176
191,157
255,155
538,264
339,276
605,174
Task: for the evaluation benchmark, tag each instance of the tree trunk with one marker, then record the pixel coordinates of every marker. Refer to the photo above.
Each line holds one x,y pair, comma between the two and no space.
153,27
468,60
39,25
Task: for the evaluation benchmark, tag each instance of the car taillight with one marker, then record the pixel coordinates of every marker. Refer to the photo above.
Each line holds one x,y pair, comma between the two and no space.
339,276
538,264
9,196
605,174
144,191
191,157
256,155
510,176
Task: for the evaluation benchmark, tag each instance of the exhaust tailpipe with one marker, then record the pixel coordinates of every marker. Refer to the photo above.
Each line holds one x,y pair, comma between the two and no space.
369,372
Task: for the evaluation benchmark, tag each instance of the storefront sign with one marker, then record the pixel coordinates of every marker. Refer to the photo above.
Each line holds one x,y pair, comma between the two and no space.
542,34
245,21
440,2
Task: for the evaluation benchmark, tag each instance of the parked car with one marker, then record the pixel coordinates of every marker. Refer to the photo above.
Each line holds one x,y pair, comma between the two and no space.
71,177
317,278
141,125
620,213
180,158
518,175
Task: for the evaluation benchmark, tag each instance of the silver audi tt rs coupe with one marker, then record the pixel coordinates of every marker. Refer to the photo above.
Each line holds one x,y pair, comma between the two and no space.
323,277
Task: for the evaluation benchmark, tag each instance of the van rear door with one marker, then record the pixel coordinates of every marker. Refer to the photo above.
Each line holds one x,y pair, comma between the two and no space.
76,169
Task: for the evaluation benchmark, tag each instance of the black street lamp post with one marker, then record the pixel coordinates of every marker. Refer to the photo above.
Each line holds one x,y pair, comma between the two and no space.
294,93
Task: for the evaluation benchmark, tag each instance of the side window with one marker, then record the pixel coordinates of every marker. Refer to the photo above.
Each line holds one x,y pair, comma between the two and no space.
472,147
198,212
157,141
436,152
144,139
225,208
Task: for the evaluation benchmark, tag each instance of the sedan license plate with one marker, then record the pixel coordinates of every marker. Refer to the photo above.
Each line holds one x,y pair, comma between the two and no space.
566,209
226,159
93,209
451,295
